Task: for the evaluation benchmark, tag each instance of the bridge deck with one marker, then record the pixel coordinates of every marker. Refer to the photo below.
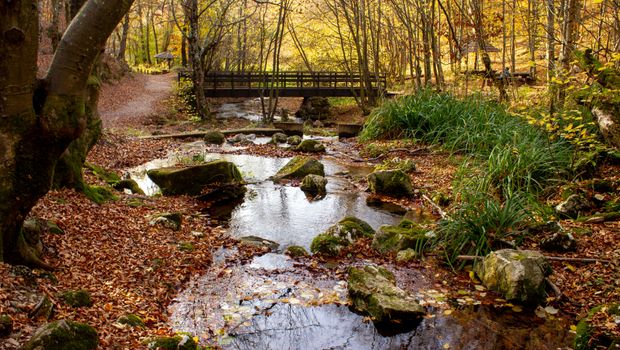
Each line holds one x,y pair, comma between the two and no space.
288,84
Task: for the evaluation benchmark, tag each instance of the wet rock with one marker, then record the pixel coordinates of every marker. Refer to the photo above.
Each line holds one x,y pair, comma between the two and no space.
373,291
296,251
179,342
343,234
313,184
587,339
293,140
573,206
259,242
128,184
314,108
169,220
279,138
63,335
393,183
519,275
131,320
76,298
193,179
214,138
562,241
406,255
299,167
6,325
310,146
407,234
327,244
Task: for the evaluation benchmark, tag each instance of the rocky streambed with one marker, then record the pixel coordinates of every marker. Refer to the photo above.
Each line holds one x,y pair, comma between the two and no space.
273,301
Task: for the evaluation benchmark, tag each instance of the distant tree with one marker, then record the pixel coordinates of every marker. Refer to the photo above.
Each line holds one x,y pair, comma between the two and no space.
40,117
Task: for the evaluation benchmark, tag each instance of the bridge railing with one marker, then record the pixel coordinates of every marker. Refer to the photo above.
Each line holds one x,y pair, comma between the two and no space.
289,79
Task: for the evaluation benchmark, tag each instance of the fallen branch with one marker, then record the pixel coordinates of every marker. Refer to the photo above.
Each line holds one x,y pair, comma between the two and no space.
554,288
552,258
436,206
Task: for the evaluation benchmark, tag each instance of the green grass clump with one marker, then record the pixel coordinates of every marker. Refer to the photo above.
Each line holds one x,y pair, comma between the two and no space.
510,161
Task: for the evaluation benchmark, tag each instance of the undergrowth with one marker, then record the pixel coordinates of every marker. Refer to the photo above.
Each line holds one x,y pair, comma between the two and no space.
509,162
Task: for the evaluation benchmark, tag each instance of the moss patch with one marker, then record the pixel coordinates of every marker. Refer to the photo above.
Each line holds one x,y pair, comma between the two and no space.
178,342
77,298
128,184
328,244
407,234
131,320
391,183
296,251
300,166
63,335
585,339
99,194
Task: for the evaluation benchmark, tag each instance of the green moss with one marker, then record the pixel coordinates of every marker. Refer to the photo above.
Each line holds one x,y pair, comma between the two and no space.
313,146
313,184
186,246
214,138
77,298
583,338
131,320
407,234
296,251
129,184
53,228
391,183
351,228
99,194
178,342
327,244
63,335
300,166
108,176
193,179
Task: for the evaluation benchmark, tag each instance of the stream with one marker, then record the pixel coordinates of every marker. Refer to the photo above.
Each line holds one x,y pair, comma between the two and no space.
275,302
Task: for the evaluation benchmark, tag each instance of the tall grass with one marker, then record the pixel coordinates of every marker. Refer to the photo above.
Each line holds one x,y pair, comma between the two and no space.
515,160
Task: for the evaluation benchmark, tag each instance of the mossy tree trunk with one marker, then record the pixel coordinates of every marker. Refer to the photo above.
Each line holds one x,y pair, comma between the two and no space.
40,118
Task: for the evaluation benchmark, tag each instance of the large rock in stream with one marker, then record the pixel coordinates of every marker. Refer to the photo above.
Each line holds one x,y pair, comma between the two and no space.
393,183
519,275
310,146
299,167
192,180
373,291
314,184
406,235
340,235
63,335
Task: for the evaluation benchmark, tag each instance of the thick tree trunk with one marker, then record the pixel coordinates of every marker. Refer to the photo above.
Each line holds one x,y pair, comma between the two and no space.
122,47
38,120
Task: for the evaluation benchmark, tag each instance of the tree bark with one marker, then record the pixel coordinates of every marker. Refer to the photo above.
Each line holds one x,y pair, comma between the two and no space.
38,119
122,47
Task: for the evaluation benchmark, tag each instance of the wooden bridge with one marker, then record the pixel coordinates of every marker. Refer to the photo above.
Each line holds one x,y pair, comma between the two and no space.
288,84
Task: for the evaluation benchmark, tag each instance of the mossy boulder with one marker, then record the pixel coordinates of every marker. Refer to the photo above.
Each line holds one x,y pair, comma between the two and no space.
519,275
193,179
278,138
6,325
298,167
214,137
294,140
76,298
314,184
373,292
585,339
296,251
406,255
310,146
172,221
99,194
63,335
178,342
574,206
128,184
314,108
131,320
340,235
393,183
407,234
327,244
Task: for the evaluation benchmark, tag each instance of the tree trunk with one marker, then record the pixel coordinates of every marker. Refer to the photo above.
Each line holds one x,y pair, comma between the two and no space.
122,47
38,120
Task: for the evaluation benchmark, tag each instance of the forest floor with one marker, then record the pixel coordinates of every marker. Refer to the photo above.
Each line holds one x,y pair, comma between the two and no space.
132,267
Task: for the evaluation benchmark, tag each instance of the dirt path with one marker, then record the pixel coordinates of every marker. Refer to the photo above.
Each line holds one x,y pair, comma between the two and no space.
133,99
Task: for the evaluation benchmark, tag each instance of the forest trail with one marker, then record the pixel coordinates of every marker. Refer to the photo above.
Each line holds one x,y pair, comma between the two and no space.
133,99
